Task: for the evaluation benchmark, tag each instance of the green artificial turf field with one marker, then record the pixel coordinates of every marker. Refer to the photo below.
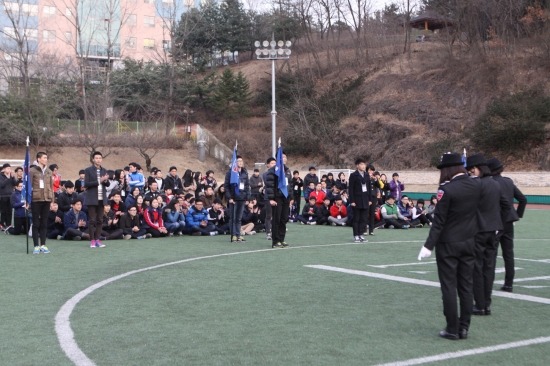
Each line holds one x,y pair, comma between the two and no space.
205,301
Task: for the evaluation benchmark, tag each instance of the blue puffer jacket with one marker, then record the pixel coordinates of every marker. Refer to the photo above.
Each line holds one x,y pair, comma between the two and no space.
17,203
194,217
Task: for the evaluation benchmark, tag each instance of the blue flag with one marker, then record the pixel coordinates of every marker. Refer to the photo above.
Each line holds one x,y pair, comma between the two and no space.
235,178
280,172
464,157
26,194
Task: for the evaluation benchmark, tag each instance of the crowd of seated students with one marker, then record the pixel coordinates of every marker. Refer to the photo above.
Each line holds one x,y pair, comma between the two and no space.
160,205
326,202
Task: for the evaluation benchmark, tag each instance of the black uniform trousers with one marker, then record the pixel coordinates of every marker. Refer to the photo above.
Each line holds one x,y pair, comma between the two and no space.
40,211
5,211
279,219
455,267
506,239
360,216
484,272
372,211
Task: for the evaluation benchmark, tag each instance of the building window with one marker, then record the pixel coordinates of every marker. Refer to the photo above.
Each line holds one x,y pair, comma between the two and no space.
31,34
167,1
30,9
166,44
149,43
131,42
48,36
149,1
27,9
9,32
149,21
132,20
68,37
49,10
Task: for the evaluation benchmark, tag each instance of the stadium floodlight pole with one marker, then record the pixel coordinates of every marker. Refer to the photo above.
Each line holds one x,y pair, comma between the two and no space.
273,51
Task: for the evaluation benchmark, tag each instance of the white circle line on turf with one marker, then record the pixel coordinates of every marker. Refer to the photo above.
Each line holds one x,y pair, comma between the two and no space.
468,352
65,334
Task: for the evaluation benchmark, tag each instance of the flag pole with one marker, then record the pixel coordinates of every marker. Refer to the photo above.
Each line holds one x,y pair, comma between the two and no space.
26,170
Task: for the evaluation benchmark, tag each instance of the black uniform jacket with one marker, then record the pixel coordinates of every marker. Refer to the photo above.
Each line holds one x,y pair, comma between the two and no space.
455,215
491,204
272,190
355,189
510,191
91,183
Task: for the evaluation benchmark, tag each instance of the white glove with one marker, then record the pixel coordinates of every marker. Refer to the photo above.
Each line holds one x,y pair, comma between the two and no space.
424,253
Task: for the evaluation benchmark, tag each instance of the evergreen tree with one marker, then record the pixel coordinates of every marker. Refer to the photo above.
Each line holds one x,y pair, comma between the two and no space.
241,95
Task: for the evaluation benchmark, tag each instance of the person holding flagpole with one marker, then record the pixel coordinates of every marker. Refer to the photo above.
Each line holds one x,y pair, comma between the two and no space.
41,183
276,189
237,188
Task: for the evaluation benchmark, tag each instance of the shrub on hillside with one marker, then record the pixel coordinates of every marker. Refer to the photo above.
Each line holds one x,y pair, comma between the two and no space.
513,123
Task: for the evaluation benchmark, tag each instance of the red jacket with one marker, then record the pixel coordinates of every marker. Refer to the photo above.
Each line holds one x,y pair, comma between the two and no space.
334,211
319,197
153,218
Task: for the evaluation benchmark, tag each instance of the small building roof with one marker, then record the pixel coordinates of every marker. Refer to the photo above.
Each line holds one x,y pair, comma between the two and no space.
431,20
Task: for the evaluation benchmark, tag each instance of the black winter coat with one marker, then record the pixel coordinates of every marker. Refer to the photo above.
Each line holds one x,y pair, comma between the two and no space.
355,190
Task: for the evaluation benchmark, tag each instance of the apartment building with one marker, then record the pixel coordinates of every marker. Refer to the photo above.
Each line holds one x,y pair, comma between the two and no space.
99,31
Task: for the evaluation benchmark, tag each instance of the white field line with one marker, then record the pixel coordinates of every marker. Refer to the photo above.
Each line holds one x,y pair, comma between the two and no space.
531,260
540,300
65,334
469,352
401,264
526,279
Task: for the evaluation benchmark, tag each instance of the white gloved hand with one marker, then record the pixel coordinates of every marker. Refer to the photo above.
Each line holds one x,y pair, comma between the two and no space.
424,253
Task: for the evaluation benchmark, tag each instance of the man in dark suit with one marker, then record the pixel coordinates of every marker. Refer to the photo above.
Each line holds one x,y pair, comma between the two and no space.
491,203
359,190
453,233
506,236
96,181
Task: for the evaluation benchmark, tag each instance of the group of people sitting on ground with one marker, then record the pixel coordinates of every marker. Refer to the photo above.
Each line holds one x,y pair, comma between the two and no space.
326,202
141,207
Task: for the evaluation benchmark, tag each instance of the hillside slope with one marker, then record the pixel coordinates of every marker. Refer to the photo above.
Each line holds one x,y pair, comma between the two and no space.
414,107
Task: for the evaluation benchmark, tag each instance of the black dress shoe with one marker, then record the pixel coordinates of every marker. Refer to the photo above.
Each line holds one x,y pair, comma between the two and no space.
487,311
447,335
463,333
476,311
506,288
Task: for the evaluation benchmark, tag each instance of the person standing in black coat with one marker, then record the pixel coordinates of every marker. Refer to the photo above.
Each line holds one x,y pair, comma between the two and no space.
279,205
453,234
491,204
96,181
359,190
506,236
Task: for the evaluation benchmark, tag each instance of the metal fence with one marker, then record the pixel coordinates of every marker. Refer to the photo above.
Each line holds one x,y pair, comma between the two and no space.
112,127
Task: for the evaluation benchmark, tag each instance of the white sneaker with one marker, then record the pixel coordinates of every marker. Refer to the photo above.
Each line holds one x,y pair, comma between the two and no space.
357,239
363,240
313,223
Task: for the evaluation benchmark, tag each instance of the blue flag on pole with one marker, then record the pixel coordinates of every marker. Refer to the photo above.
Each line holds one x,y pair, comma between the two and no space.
282,184
234,178
26,194
464,157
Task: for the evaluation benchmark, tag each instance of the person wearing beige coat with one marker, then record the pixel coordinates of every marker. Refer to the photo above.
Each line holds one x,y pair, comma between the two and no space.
41,179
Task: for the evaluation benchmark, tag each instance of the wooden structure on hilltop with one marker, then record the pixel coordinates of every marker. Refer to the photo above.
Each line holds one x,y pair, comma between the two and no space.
430,20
